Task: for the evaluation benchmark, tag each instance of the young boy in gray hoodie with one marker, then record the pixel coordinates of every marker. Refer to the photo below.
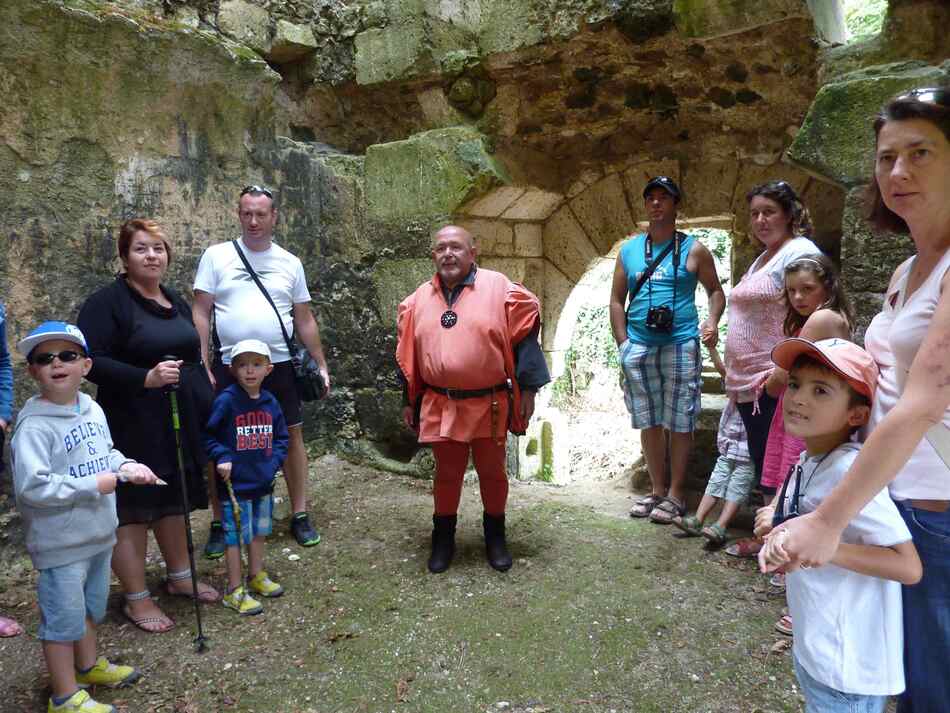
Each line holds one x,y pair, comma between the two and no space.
65,472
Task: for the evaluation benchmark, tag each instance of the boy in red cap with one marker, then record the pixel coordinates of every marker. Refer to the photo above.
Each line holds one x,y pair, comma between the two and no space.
848,628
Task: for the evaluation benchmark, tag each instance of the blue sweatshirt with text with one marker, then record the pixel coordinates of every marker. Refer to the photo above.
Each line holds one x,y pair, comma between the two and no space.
252,436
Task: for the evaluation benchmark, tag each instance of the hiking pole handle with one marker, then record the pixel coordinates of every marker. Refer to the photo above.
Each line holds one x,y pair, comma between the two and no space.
171,387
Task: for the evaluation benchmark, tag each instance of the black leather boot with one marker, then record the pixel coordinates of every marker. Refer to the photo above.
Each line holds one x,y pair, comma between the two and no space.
495,546
443,542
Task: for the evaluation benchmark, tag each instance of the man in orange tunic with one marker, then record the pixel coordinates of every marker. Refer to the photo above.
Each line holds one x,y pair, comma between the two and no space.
468,351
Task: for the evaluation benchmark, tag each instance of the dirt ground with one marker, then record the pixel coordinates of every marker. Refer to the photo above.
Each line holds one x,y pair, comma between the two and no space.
600,614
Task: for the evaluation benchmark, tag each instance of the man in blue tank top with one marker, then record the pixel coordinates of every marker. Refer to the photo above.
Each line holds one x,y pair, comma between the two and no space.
658,335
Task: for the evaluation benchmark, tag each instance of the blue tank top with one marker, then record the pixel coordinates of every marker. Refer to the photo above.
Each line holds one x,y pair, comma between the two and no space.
685,318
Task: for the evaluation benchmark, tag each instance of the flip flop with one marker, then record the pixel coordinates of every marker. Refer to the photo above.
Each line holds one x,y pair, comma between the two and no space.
784,625
9,628
205,596
142,621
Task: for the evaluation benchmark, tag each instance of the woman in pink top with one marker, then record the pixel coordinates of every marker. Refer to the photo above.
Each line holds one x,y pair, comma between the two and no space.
908,448
757,307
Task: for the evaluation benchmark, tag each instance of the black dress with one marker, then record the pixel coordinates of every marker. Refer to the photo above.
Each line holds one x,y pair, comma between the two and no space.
128,334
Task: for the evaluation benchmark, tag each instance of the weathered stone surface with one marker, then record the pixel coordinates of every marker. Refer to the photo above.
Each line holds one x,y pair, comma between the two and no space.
429,174
492,238
291,42
528,241
387,53
533,204
698,18
394,280
869,257
837,138
247,23
496,202
604,213
566,244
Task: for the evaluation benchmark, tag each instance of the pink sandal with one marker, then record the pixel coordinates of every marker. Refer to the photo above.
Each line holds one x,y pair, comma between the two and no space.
9,628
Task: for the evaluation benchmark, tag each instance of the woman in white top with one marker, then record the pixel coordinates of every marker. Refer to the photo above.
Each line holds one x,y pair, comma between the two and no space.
910,425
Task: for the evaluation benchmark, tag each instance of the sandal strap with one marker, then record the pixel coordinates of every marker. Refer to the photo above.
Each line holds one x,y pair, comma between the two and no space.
138,596
178,576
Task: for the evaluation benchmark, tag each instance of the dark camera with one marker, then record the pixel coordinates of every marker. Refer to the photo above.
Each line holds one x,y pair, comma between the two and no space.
660,319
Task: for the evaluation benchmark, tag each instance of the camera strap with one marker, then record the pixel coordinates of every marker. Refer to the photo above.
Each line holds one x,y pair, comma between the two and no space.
674,245
291,347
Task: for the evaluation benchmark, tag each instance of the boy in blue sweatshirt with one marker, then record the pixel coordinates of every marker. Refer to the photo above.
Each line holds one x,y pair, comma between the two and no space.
65,471
247,438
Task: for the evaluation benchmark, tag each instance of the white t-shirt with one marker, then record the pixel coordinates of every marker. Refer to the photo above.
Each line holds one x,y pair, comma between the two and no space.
789,252
240,310
849,631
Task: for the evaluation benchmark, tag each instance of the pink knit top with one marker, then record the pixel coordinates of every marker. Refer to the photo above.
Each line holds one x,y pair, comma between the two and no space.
756,313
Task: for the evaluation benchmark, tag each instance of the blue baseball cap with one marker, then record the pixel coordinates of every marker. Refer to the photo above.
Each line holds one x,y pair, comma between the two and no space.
48,331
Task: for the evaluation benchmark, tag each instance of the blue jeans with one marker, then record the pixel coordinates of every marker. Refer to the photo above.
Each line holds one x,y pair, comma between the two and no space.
70,593
820,698
257,519
927,615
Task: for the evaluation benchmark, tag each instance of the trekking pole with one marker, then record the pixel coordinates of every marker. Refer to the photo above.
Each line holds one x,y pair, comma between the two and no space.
244,556
201,643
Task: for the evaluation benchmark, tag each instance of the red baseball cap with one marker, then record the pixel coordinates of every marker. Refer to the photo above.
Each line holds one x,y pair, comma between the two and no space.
845,358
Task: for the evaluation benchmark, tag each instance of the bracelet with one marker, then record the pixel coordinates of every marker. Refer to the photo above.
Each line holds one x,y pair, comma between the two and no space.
119,477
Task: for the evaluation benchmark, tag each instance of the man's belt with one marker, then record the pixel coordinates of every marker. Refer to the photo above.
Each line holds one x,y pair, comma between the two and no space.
458,394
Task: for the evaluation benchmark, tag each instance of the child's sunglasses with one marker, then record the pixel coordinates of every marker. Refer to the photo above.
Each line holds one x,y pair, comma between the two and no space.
46,358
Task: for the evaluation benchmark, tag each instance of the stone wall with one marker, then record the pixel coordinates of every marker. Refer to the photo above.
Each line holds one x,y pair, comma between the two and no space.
534,122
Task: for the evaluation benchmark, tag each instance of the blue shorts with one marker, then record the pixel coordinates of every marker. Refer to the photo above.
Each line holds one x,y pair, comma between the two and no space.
661,384
70,593
258,512
730,479
820,698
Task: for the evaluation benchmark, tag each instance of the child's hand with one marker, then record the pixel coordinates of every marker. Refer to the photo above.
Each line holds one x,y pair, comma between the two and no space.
106,482
139,474
773,555
224,470
763,521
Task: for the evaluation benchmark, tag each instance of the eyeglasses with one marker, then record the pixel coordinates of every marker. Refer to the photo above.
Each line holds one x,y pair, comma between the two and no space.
927,95
46,358
256,190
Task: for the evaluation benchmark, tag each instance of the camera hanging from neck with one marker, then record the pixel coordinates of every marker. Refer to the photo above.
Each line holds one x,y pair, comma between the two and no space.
648,256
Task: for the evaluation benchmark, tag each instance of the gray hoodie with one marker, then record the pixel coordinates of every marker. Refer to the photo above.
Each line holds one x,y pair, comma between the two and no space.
57,453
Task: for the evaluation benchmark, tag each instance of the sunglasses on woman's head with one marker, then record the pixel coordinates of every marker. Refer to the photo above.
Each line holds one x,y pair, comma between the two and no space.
928,95
46,358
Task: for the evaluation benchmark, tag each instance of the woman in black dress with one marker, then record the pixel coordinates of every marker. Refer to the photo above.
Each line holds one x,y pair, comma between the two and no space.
130,326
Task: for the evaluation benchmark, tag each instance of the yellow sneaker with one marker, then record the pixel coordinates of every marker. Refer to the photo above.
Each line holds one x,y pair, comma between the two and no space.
265,586
242,603
108,674
80,701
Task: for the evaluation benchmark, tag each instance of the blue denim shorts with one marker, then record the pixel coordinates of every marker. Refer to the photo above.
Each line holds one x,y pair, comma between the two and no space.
820,698
70,593
257,511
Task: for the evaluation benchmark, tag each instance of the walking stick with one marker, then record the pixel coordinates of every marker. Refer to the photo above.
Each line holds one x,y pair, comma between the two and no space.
244,555
201,643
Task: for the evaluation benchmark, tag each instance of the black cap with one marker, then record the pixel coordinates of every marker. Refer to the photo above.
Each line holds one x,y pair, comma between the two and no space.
667,184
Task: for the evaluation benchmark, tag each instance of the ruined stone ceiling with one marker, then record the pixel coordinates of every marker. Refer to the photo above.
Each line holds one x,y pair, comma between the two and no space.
601,98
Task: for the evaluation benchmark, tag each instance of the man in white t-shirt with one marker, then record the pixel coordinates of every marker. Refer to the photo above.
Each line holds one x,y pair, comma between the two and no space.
225,290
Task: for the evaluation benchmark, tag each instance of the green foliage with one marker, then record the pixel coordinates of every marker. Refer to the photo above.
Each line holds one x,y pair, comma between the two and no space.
547,452
864,18
592,350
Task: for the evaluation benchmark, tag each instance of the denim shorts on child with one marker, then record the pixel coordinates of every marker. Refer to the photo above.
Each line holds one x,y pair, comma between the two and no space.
257,511
820,698
731,479
661,384
70,593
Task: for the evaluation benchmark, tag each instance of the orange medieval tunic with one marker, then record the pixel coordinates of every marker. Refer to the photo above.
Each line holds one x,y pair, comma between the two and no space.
494,314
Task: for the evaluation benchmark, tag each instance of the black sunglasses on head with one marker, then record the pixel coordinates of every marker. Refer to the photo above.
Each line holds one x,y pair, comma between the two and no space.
928,95
256,190
46,358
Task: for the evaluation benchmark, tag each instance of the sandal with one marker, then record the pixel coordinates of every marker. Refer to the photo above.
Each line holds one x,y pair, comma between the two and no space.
644,506
715,534
777,581
691,525
206,593
666,510
149,624
784,625
9,628
744,548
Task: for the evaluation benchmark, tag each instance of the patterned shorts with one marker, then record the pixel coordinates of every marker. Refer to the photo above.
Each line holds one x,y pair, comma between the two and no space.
661,384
